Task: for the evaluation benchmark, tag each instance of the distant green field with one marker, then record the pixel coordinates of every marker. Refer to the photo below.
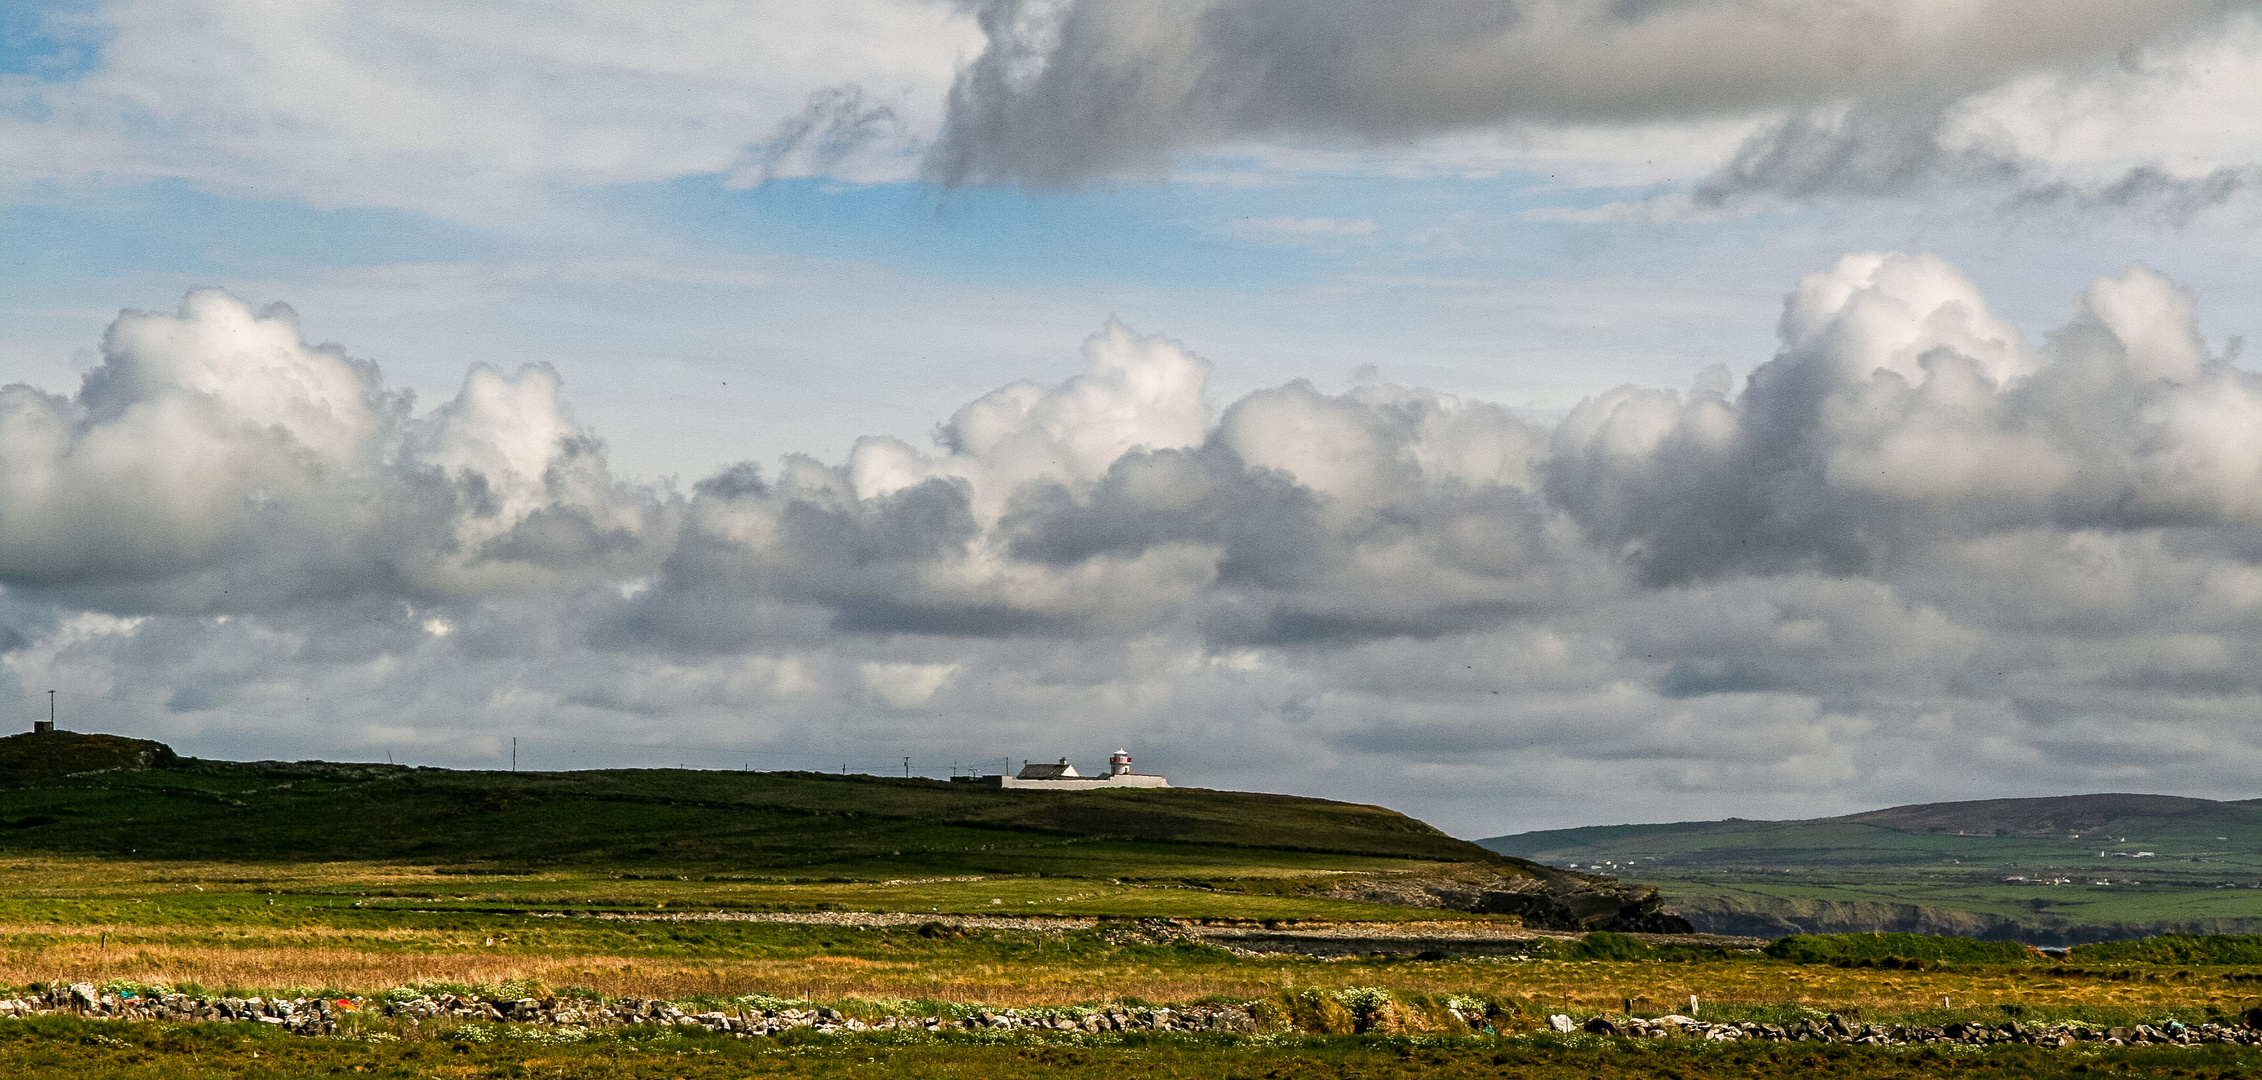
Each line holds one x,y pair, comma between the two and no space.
2050,871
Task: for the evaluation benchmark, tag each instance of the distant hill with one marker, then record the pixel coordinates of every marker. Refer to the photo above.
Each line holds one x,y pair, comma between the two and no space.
101,796
2067,815
2056,870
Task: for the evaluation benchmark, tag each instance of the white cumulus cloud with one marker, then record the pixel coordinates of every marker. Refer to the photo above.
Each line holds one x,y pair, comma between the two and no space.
1920,552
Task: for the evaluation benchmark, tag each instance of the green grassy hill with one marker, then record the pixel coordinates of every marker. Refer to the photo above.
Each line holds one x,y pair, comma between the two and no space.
2047,871
664,818
803,828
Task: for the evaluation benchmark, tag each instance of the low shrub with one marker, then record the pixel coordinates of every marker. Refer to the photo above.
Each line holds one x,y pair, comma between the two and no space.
1599,945
1897,950
2174,949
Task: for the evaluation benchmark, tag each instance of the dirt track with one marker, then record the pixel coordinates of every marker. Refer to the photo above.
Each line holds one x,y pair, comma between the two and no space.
1313,938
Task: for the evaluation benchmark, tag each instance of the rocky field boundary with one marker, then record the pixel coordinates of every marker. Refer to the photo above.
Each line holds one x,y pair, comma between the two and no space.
1356,1010
1837,1029
321,1016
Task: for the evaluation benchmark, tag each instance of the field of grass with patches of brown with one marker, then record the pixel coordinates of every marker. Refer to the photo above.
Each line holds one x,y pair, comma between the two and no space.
232,939
244,929
112,888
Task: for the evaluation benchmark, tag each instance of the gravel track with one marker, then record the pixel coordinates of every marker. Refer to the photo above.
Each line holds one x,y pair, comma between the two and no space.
1247,936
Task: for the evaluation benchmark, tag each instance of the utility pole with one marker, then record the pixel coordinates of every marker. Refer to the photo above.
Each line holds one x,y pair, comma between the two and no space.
514,753
907,768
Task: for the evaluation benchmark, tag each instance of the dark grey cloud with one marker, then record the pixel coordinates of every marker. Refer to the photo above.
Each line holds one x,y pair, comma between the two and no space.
1906,146
1073,90
1265,526
2149,192
1873,149
837,122
865,562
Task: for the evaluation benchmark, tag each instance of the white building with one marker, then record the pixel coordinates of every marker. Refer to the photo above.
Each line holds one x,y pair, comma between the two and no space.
1062,776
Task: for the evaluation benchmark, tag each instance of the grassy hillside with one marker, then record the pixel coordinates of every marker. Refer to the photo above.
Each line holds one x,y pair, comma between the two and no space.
759,841
676,819
2049,871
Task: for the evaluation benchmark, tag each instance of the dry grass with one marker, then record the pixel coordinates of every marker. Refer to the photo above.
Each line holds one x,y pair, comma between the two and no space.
120,880
353,961
1600,985
212,923
827,977
74,877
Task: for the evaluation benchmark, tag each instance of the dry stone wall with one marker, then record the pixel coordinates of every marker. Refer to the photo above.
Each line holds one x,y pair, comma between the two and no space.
1838,1029
321,1016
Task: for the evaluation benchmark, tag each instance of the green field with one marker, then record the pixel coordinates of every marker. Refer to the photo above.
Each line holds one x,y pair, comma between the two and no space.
2047,871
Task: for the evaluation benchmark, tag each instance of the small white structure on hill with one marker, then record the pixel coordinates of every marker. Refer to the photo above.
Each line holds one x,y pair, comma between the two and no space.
1062,776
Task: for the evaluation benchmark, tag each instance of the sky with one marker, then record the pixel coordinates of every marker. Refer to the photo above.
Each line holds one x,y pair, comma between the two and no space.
1522,414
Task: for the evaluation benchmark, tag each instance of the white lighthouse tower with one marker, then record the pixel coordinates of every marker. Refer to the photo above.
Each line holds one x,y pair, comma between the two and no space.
1119,763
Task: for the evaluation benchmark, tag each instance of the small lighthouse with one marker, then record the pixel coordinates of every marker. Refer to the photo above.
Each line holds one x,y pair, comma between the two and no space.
1062,776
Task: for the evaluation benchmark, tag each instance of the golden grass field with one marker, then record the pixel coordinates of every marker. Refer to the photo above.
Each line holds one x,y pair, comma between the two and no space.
195,885
314,960
329,926
339,961
353,928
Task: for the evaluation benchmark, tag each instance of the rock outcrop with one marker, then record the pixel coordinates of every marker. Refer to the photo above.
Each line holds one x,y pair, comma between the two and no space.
1544,897
38,756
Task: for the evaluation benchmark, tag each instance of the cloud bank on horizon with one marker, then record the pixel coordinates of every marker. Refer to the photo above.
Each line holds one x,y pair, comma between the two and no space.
1921,550
1914,549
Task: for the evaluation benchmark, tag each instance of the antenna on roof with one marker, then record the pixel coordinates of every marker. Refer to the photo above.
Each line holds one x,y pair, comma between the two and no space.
42,727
